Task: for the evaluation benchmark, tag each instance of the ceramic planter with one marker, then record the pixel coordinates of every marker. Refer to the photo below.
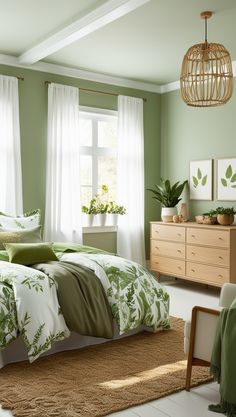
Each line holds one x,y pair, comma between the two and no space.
225,219
101,219
88,219
167,214
112,219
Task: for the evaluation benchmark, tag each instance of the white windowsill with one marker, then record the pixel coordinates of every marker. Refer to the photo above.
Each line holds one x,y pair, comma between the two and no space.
99,229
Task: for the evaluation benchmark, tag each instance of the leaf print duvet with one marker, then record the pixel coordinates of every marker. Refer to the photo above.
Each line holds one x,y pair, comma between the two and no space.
29,307
134,294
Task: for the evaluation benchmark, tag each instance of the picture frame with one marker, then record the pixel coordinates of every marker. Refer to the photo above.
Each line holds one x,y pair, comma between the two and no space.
226,179
200,179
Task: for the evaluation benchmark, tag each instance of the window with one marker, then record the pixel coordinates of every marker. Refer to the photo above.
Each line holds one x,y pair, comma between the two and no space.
98,160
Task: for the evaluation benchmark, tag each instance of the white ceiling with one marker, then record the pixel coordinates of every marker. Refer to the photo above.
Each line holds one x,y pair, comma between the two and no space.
142,40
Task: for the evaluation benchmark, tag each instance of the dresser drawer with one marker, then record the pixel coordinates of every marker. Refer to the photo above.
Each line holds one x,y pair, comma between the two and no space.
207,273
214,256
171,249
217,238
168,265
175,233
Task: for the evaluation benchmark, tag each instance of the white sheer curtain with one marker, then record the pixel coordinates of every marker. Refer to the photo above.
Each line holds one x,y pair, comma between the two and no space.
63,203
130,236
10,154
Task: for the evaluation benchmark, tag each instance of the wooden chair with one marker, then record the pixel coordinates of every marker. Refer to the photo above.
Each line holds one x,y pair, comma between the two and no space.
199,333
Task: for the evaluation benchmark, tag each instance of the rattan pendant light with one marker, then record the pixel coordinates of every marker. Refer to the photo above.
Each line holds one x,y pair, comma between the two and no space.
206,76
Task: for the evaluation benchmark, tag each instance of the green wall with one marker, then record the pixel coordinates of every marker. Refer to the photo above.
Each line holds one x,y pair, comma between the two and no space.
189,133
33,123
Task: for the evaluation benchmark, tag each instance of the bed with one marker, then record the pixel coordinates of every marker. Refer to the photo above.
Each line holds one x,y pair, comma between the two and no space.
84,296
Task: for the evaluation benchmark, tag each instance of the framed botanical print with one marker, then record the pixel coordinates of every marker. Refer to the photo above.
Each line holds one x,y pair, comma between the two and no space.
200,179
226,179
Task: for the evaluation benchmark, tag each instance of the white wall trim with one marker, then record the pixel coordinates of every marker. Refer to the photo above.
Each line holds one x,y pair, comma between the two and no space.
108,12
95,76
83,75
96,110
99,229
166,88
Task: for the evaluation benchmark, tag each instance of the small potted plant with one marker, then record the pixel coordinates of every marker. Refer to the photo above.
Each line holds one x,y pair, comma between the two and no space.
114,210
225,215
169,196
101,203
89,212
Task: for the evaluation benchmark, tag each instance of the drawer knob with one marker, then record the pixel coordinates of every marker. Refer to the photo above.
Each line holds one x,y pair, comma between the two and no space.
178,234
156,231
220,276
193,253
193,236
220,257
156,247
220,238
179,267
193,270
180,251
157,263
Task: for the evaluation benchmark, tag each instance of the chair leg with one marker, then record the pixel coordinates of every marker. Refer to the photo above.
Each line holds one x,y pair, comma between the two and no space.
191,350
188,374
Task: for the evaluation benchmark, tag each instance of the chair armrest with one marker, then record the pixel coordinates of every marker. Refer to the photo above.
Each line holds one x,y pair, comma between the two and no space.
227,295
203,327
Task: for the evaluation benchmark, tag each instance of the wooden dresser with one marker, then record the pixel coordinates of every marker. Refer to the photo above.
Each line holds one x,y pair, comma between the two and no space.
195,252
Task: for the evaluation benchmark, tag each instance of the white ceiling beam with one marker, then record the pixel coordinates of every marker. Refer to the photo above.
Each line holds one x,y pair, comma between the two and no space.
98,18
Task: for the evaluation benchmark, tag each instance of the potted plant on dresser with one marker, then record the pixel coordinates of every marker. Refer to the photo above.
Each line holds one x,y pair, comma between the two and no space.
169,196
225,215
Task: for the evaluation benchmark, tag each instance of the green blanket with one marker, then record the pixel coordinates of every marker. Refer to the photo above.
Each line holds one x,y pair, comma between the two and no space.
223,361
81,297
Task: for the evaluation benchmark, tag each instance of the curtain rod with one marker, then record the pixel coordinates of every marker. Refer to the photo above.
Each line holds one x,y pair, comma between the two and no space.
20,78
105,93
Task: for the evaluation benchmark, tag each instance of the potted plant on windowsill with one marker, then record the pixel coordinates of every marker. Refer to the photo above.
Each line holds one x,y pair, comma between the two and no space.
225,215
89,212
101,203
101,210
114,210
169,196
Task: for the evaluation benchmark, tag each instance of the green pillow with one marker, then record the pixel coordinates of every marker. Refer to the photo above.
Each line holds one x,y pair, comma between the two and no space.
8,237
30,253
31,235
4,256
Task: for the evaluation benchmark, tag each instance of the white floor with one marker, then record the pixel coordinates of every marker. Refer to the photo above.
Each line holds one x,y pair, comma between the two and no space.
195,403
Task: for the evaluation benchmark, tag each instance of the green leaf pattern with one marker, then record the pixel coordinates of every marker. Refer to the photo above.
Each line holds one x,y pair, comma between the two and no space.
230,178
27,299
199,179
133,293
30,219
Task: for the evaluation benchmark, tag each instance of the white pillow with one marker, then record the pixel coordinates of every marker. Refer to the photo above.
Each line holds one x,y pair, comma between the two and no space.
24,221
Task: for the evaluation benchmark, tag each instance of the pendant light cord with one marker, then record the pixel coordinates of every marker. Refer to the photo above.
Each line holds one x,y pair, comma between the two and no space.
205,29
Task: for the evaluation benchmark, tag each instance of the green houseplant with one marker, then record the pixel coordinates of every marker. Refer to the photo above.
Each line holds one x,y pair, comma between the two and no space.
114,210
89,212
169,196
102,209
225,215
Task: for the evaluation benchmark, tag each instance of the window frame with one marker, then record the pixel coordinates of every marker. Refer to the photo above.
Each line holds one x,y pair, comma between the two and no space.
98,114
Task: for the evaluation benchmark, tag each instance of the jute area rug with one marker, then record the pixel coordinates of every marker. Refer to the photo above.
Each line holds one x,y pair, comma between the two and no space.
99,380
